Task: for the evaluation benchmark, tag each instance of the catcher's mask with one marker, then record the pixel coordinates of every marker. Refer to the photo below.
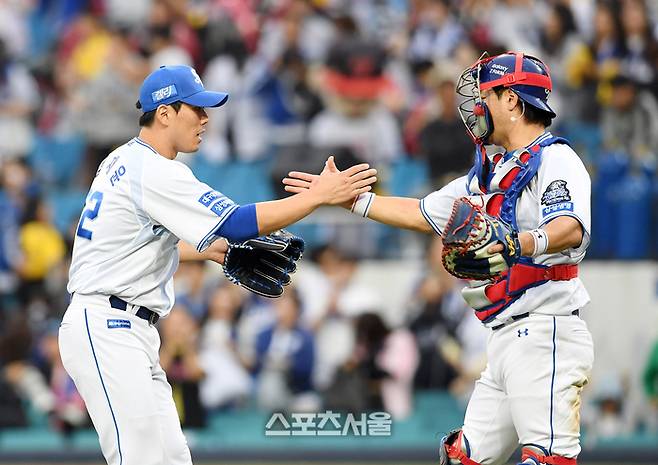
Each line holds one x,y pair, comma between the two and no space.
526,76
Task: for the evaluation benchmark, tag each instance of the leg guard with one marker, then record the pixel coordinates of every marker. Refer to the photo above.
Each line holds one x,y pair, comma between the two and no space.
532,454
455,450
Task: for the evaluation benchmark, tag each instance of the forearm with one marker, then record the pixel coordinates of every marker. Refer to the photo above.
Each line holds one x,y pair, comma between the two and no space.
564,232
277,214
400,212
187,253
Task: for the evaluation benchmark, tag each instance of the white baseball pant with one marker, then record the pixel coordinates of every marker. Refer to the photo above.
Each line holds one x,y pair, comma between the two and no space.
112,356
529,393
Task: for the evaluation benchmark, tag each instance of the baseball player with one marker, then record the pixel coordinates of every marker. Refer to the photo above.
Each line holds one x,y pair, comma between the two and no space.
517,225
145,212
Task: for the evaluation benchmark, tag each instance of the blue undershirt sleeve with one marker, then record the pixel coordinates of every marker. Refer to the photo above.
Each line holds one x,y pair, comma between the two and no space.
241,225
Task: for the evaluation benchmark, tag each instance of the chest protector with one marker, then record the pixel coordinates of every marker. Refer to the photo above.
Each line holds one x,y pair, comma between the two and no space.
500,182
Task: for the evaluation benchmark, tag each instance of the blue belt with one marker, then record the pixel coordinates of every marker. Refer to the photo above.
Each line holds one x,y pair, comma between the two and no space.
143,312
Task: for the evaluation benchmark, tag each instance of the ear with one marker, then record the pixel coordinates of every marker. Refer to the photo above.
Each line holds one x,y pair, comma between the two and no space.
511,99
162,114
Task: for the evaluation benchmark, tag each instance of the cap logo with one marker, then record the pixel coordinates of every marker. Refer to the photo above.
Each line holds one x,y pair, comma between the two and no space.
197,79
164,93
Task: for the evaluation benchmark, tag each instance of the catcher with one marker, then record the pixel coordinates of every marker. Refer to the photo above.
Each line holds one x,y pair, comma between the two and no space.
515,228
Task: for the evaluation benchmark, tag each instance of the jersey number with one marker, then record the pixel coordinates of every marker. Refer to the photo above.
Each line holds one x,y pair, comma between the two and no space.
90,213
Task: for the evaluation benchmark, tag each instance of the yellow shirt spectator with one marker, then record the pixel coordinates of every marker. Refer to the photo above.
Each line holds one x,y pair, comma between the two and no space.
42,246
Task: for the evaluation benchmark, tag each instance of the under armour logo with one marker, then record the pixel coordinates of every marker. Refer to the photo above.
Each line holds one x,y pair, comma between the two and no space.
523,332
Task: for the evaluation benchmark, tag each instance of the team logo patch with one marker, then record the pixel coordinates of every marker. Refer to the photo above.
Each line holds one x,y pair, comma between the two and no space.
560,207
219,207
118,324
555,193
164,93
209,197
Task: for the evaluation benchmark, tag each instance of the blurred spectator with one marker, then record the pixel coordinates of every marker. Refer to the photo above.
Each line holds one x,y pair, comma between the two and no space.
14,26
23,378
240,130
436,33
18,100
191,289
227,381
607,45
608,417
630,122
179,358
353,82
436,129
437,309
164,51
104,100
69,412
331,298
288,101
650,381
567,56
285,354
641,56
297,24
509,24
378,375
42,248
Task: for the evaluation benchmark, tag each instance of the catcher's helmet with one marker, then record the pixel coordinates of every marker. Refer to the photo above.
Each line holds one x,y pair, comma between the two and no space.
527,76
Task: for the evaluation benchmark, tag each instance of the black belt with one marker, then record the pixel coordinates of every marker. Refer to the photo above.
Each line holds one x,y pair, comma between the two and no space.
143,312
522,316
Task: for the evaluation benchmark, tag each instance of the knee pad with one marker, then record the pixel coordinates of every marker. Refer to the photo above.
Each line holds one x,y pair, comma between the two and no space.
532,454
455,450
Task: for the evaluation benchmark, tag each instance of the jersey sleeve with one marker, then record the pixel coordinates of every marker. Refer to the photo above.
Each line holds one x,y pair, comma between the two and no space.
564,188
193,211
437,206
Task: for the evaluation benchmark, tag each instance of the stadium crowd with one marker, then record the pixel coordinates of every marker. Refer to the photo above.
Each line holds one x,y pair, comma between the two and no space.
368,80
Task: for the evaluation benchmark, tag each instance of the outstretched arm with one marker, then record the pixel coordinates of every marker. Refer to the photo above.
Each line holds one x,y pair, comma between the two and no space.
401,212
331,187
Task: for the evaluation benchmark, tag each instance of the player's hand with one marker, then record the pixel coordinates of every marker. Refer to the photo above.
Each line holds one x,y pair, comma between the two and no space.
334,186
216,251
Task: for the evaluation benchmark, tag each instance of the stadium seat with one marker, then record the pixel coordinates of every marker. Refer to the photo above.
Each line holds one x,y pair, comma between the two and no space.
407,177
56,160
66,206
244,182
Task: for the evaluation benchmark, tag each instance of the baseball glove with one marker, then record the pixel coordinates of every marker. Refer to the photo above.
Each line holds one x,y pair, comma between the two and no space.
467,237
263,265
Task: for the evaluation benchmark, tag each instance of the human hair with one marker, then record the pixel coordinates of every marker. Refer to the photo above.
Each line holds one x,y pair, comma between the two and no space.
531,114
146,119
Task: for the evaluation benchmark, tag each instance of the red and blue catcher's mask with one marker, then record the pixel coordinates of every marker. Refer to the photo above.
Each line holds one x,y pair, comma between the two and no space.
527,76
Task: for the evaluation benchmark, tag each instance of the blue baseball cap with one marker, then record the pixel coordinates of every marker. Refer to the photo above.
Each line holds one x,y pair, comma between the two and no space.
169,84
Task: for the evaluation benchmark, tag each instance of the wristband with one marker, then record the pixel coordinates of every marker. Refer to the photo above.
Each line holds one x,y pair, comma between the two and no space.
362,203
540,239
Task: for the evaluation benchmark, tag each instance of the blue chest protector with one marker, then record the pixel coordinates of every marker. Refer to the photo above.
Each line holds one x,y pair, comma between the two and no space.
483,179
508,175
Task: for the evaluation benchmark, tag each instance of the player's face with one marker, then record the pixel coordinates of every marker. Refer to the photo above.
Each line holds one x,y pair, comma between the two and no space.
499,110
190,124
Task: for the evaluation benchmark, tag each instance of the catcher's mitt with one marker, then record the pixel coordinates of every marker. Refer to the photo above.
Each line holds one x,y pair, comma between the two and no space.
263,265
467,237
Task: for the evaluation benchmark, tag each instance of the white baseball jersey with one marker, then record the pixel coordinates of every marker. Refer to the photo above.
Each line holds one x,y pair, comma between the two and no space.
138,207
561,187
